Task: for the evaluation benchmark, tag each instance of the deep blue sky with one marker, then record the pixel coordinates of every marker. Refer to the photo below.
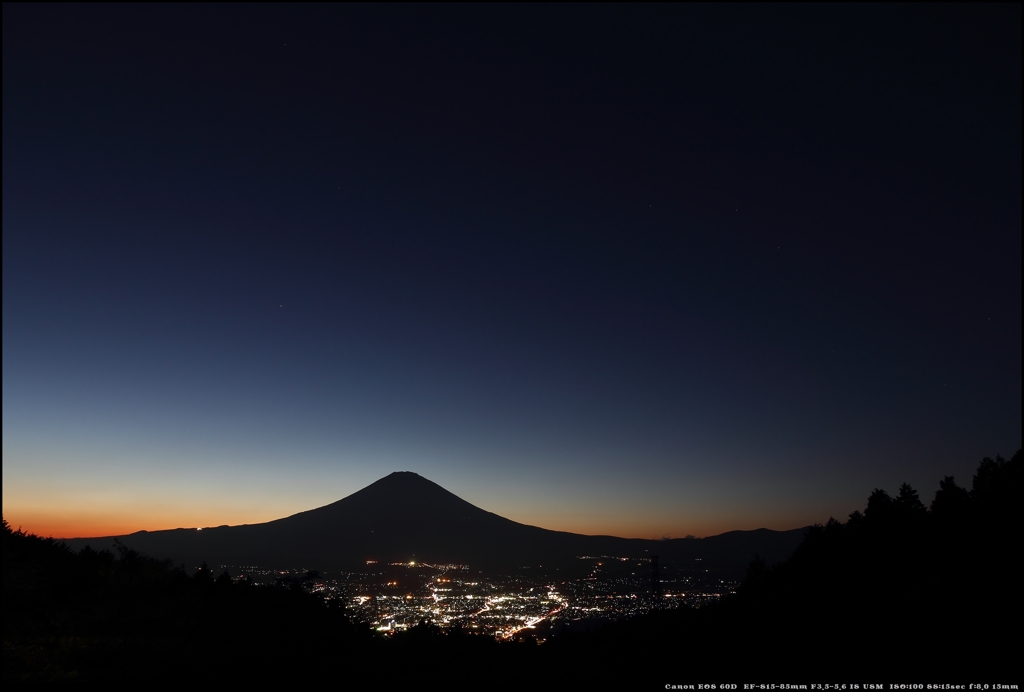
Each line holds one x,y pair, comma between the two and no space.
649,271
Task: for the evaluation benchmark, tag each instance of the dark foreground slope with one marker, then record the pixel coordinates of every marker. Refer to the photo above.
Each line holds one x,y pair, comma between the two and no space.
123,616
406,517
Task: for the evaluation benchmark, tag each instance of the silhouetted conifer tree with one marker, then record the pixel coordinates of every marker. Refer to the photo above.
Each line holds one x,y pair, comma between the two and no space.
950,500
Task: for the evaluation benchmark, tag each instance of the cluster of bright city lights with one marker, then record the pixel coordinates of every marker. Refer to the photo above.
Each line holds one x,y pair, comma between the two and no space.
536,603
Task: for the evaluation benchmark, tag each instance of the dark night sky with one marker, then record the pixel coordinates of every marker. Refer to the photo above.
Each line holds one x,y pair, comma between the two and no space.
641,270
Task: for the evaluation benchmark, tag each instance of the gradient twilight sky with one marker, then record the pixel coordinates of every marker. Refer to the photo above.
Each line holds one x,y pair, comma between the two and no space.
638,270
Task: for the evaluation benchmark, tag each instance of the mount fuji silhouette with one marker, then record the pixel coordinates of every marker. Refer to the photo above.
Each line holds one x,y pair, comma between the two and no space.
404,517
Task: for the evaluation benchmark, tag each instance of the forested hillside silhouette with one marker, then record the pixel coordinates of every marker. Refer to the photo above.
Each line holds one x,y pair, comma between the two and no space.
97,615
899,590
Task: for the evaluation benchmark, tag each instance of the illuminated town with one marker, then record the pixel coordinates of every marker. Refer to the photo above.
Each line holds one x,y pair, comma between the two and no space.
533,603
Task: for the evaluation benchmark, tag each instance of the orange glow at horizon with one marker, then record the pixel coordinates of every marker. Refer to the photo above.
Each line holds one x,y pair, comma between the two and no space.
76,512
68,523
65,514
58,526
95,524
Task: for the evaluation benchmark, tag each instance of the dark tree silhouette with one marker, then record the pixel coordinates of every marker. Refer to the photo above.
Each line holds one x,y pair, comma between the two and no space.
951,500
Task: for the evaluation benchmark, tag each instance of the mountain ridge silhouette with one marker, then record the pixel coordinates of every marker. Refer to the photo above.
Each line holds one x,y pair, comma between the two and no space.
404,516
